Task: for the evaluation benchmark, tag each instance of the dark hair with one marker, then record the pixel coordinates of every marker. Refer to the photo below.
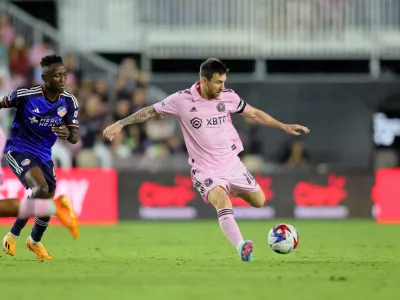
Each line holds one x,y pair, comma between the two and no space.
211,66
48,60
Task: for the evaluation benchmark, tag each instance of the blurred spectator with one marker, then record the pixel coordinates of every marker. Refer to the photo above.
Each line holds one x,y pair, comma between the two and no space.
4,113
129,78
4,60
91,118
35,56
138,131
7,32
100,88
118,146
19,62
249,135
295,154
123,110
72,70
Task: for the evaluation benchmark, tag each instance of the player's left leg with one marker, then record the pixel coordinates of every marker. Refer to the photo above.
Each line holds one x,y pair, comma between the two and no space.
214,191
244,185
33,241
255,199
41,223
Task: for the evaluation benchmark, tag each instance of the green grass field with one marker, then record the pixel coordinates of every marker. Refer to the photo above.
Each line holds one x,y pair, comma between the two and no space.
192,260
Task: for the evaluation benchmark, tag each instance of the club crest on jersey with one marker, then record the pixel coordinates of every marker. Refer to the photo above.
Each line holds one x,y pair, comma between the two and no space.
61,111
221,106
25,162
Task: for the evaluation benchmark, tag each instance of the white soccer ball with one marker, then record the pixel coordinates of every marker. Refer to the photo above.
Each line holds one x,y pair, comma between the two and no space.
283,238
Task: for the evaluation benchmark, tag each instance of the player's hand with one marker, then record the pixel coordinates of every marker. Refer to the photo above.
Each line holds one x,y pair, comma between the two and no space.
295,129
61,132
111,131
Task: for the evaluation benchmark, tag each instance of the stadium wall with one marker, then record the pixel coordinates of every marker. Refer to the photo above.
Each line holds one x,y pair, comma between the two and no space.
104,197
148,196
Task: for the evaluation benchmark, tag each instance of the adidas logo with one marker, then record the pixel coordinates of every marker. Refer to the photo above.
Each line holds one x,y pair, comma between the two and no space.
193,109
36,110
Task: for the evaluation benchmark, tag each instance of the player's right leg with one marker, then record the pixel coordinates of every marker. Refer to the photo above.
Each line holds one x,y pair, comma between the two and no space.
9,208
28,171
27,208
214,191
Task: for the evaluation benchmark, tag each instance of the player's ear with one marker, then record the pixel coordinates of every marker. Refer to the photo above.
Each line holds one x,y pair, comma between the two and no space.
43,77
203,80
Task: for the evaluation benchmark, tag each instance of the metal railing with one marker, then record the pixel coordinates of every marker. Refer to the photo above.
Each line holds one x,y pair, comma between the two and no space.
273,28
235,28
34,31
93,65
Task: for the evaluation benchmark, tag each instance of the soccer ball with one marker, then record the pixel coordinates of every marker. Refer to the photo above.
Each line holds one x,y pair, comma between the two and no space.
283,238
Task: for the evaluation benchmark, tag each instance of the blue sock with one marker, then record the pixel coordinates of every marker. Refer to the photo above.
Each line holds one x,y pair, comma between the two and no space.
19,224
39,228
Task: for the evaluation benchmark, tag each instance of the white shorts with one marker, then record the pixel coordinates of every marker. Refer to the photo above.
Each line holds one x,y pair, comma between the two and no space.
238,180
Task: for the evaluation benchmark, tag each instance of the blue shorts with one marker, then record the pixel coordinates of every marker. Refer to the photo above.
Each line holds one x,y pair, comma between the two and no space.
20,163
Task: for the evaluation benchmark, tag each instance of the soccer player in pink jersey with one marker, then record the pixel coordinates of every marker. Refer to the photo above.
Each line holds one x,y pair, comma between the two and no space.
27,208
203,113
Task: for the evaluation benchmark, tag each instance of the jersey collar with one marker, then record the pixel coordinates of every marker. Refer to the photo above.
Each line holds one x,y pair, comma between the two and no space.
194,90
195,93
44,97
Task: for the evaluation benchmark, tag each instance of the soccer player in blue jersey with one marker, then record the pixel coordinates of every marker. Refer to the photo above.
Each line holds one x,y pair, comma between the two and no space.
44,113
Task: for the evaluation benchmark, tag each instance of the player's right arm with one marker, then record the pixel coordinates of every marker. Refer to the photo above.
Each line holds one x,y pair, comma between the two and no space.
12,99
3,103
138,117
165,108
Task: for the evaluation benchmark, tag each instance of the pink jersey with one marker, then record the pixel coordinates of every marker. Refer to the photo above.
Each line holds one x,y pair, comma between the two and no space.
205,126
235,138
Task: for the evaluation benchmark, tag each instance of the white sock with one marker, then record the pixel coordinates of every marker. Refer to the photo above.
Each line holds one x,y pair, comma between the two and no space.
32,241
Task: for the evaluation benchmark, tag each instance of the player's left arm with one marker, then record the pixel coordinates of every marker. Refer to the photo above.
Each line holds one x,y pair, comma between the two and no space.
265,119
69,132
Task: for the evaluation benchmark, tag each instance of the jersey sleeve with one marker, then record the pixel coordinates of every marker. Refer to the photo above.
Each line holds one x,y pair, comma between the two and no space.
238,105
71,117
14,98
167,107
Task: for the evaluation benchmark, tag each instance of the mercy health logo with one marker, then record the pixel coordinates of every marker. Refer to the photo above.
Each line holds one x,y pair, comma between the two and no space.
314,201
45,122
91,192
243,210
167,202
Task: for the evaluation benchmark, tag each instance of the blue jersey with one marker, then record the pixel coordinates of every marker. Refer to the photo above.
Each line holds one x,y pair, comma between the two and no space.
31,131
